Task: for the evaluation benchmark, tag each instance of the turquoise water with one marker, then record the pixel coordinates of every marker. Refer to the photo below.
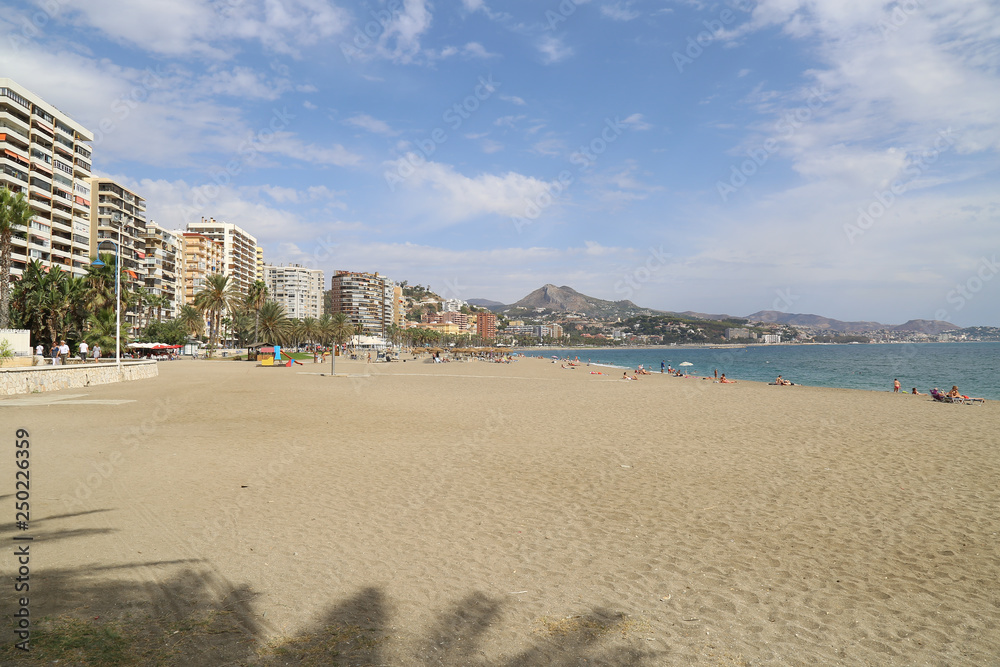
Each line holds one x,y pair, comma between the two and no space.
974,367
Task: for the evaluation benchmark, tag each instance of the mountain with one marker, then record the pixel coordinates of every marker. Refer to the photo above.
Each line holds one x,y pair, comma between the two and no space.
691,315
930,327
820,323
817,322
485,303
567,299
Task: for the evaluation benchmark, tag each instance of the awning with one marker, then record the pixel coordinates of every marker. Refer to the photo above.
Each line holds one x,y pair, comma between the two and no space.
132,273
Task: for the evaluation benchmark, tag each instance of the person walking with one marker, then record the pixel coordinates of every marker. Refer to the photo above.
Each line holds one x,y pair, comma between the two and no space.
54,353
895,386
97,353
84,349
63,352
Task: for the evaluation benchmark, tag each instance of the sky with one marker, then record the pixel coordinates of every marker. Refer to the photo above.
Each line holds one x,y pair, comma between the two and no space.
835,157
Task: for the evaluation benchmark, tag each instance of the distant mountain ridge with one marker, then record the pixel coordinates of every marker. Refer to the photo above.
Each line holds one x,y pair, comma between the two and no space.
567,299
820,323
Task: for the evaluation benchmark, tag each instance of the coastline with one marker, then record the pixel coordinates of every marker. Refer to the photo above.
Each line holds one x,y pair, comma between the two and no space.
575,516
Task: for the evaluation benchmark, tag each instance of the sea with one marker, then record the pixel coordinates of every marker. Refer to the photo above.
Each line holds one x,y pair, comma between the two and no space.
973,367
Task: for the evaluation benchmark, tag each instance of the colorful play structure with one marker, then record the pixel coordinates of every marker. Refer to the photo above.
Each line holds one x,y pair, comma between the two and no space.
275,358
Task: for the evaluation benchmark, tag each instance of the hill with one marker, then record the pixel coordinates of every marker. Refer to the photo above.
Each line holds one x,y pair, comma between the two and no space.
567,299
815,322
929,327
485,303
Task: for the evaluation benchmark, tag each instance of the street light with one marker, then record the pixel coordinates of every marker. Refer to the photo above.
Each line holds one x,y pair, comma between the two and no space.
118,302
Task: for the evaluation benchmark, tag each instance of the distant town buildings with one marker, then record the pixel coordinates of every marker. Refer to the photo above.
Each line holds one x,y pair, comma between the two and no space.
737,333
47,157
298,289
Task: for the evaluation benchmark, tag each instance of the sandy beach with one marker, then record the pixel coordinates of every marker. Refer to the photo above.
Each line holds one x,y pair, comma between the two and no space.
510,514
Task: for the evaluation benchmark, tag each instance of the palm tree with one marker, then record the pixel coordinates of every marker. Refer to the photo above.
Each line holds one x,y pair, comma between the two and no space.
191,320
159,302
140,301
14,213
101,285
218,295
101,329
310,330
341,328
256,298
274,325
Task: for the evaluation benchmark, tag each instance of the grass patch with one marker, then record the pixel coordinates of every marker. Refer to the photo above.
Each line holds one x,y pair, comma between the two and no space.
323,648
75,641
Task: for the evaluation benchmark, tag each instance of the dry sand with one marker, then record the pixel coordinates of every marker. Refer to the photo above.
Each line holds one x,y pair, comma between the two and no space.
485,514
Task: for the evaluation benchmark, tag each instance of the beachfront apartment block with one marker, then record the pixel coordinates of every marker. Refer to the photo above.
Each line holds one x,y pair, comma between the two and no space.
239,251
47,157
164,270
367,299
118,215
298,289
203,257
486,326
737,333
260,263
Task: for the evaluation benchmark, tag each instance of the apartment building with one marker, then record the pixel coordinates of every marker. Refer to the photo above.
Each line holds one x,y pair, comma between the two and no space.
366,298
260,263
486,326
239,249
45,155
203,257
119,215
453,317
298,289
164,267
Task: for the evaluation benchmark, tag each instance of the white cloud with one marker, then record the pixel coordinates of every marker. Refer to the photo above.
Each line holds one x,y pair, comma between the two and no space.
400,41
552,49
620,11
458,198
309,105
508,121
202,28
491,146
366,122
513,99
636,122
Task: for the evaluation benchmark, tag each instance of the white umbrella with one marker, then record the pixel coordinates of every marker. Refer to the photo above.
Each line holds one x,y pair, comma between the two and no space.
686,363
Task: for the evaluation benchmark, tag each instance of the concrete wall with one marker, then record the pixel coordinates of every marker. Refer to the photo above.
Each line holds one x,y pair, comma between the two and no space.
52,378
20,340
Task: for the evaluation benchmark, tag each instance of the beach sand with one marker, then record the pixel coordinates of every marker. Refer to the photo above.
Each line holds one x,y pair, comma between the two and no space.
522,514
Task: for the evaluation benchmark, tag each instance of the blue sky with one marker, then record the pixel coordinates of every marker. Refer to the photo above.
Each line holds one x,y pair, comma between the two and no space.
837,157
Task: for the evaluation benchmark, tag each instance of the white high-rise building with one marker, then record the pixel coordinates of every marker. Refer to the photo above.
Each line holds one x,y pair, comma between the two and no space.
298,289
45,155
239,250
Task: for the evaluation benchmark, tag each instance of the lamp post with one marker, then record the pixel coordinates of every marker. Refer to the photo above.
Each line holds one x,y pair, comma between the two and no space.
118,302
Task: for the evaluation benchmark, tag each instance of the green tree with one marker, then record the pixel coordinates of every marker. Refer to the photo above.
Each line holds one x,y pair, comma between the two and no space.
15,213
101,330
309,330
217,297
191,320
255,300
274,325
341,328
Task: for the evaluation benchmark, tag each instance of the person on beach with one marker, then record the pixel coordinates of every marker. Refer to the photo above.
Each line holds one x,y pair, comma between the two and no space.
54,353
63,352
954,393
84,349
895,386
725,380
782,381
717,373
97,353
917,393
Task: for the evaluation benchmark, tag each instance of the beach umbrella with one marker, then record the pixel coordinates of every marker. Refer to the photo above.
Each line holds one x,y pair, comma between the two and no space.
686,363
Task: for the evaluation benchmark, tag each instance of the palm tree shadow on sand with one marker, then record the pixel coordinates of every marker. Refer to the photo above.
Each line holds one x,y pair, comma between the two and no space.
81,617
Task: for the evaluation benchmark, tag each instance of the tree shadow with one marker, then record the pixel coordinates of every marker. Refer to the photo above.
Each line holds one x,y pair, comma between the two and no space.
195,617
